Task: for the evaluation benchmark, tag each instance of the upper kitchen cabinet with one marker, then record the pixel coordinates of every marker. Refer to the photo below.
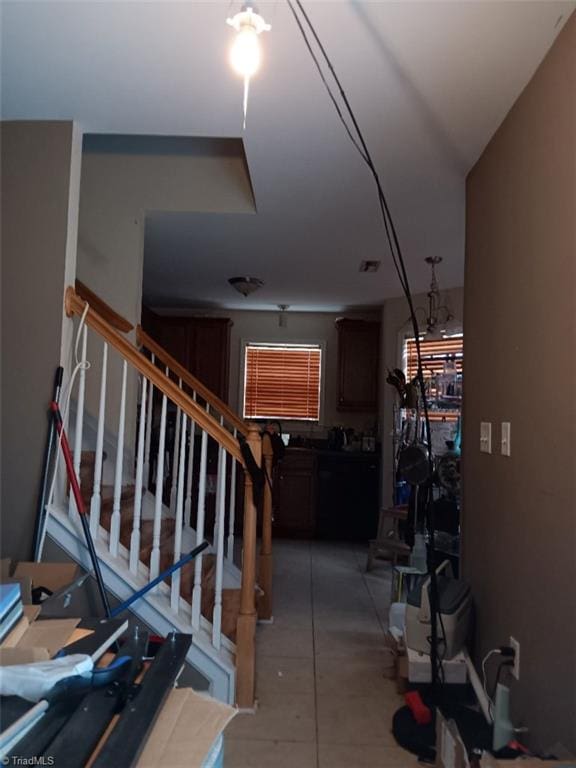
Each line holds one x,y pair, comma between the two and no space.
358,364
200,344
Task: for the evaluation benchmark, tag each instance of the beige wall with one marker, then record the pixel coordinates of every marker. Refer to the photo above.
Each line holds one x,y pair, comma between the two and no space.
301,327
395,326
40,179
520,512
117,190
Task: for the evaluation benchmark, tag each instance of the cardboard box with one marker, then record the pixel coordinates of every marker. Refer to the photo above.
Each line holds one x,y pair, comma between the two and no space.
402,674
450,749
53,576
391,653
419,670
186,729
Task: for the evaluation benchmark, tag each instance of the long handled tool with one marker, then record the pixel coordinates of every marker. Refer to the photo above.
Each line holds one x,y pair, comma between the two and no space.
141,592
88,536
80,505
46,465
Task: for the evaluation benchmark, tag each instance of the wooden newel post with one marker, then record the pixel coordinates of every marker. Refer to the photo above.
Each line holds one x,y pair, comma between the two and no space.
246,626
265,561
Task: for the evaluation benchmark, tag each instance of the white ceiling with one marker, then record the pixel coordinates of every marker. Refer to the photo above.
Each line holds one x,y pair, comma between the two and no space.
430,82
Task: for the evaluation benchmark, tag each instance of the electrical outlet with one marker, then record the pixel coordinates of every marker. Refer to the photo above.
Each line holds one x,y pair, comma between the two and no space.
515,645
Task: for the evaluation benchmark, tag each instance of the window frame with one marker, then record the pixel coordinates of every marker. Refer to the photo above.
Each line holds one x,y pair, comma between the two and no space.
318,343
441,414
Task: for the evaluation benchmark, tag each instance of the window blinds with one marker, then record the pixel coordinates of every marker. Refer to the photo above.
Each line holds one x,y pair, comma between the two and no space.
282,382
434,355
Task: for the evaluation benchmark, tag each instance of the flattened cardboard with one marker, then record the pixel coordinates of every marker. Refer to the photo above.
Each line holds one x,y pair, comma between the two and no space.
488,761
32,612
16,635
186,729
450,749
11,656
53,576
52,634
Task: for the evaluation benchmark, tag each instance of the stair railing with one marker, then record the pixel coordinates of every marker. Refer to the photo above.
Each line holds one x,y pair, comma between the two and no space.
137,531
214,405
265,559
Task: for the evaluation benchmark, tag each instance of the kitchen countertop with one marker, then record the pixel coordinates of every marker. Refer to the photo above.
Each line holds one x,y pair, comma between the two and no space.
331,453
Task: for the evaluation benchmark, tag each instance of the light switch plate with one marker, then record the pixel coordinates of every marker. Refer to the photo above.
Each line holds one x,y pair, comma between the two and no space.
505,438
486,437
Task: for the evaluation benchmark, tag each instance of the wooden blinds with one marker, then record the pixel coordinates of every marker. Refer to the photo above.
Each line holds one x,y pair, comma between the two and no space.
282,382
434,356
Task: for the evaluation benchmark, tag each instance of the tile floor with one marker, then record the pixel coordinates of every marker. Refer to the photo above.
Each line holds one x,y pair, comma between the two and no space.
323,701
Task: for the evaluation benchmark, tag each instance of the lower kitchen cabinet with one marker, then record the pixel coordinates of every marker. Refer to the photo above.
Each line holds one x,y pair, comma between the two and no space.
295,492
327,495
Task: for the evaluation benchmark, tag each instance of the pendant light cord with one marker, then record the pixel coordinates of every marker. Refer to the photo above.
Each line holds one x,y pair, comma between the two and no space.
356,137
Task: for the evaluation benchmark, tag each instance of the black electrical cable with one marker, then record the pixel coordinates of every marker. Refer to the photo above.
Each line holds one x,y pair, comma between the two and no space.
398,260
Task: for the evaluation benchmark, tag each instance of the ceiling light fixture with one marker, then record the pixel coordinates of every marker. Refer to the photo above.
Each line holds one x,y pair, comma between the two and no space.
245,285
435,309
245,54
282,317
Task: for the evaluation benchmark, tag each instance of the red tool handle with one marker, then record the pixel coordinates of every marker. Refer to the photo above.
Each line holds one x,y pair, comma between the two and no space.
68,459
420,711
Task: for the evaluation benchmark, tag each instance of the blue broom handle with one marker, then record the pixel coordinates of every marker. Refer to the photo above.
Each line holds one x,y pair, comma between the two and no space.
141,592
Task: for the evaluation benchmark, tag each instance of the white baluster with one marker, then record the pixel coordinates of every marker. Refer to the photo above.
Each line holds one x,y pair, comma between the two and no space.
155,556
219,543
116,518
175,588
197,591
218,491
135,536
149,427
72,511
175,461
96,500
189,479
232,508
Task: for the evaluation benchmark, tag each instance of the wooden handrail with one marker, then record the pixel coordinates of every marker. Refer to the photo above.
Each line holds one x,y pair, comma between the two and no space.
75,305
144,340
104,310
247,617
265,562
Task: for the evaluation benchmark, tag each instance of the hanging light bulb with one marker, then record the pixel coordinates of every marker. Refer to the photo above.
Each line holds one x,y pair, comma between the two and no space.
245,55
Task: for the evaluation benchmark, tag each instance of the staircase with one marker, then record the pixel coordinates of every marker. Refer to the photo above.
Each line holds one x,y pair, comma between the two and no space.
160,472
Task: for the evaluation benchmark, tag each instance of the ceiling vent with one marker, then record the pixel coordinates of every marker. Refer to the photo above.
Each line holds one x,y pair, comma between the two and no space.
369,266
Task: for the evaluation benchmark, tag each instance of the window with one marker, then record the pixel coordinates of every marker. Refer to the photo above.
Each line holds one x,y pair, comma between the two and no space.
434,353
282,381
442,364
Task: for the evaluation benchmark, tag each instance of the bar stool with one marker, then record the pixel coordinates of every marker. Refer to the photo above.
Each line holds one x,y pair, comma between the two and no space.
388,545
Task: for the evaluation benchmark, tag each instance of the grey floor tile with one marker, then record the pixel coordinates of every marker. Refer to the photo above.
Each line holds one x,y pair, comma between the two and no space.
278,640
283,674
355,720
245,753
279,717
361,756
357,676
348,643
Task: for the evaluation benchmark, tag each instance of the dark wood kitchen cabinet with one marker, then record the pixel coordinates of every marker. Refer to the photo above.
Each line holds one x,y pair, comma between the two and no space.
200,344
295,484
358,364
